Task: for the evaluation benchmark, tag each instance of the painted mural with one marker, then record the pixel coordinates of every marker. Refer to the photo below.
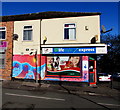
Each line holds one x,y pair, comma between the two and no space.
26,67
54,68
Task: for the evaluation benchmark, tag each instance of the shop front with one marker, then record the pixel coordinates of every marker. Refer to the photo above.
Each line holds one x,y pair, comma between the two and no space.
75,64
71,63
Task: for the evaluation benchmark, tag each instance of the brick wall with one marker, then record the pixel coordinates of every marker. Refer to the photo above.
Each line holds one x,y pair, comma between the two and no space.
7,71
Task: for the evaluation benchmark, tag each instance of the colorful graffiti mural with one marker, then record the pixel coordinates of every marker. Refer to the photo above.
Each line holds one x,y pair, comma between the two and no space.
24,67
56,68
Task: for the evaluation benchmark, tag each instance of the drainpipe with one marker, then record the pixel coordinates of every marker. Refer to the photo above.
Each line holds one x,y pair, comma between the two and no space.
40,50
36,65
12,53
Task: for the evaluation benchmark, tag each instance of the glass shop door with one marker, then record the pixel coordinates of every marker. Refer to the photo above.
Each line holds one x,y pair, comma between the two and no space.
92,72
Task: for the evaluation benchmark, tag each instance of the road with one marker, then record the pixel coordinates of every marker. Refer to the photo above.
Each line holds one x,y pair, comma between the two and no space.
29,100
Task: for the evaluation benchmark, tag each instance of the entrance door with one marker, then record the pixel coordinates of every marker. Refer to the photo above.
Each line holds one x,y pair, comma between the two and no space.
92,71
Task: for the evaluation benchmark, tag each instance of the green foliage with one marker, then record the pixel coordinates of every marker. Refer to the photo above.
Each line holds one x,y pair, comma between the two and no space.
111,62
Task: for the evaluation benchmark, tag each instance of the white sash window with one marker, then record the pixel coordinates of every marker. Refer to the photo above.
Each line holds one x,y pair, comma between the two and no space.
70,31
2,33
27,33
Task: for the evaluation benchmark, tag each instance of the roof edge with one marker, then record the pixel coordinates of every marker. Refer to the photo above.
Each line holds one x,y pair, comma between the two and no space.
46,15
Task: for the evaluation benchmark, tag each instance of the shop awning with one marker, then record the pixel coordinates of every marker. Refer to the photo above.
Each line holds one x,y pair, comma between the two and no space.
90,58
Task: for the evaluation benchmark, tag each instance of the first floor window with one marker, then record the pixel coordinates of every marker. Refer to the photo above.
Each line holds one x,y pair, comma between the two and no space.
2,59
70,31
2,33
27,33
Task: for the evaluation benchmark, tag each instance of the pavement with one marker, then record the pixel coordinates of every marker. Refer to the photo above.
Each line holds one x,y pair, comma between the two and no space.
99,90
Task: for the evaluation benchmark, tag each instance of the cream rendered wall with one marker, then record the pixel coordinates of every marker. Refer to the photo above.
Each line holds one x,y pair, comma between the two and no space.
20,46
53,29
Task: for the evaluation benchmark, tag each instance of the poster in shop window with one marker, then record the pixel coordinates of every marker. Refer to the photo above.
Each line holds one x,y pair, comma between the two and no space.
64,65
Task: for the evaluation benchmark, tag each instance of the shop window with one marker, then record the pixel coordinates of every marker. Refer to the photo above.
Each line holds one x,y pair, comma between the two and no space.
2,33
64,65
27,33
70,31
2,59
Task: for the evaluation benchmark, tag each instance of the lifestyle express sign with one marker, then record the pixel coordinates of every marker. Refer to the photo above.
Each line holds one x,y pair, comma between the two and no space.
82,50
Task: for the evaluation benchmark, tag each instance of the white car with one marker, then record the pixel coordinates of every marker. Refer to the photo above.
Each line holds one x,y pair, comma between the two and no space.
104,77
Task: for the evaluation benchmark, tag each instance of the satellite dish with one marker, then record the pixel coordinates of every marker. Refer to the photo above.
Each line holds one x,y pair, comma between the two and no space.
104,29
15,37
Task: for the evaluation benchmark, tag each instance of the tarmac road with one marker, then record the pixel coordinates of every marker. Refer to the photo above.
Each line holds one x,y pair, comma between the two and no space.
29,100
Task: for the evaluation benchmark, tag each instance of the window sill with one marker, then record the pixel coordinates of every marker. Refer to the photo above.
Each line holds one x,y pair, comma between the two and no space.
2,39
69,40
27,41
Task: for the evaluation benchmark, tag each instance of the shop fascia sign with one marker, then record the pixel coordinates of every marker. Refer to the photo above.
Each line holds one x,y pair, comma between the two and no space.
81,50
3,45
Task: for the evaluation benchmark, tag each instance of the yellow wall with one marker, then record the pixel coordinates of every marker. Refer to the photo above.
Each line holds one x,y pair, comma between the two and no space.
53,29
20,45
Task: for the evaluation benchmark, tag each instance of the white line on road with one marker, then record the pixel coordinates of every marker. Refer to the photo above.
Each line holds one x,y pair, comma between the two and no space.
34,96
108,104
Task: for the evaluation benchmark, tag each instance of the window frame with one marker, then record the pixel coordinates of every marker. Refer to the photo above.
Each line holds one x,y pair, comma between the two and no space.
27,29
69,28
4,31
